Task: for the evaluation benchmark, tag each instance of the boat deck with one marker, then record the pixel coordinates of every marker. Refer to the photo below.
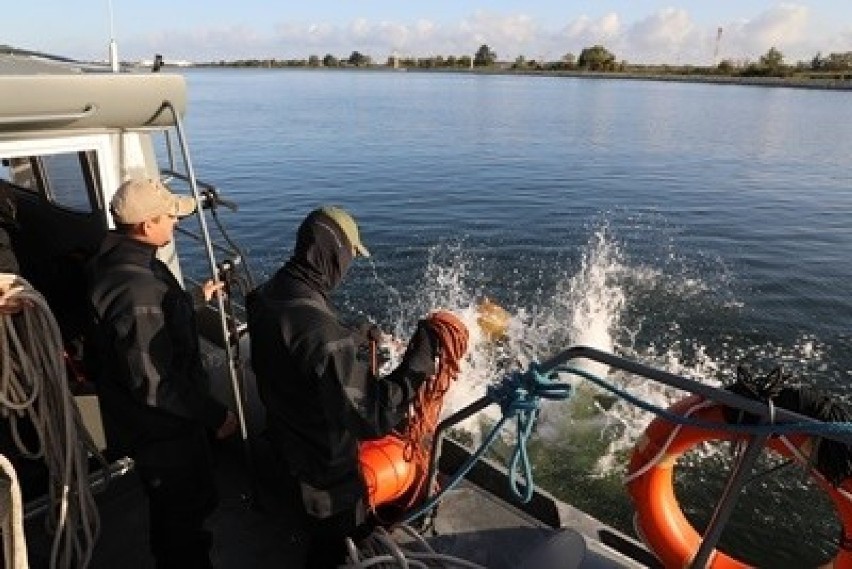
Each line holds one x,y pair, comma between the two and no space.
472,524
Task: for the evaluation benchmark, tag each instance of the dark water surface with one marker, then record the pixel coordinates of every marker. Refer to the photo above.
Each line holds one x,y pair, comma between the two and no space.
691,226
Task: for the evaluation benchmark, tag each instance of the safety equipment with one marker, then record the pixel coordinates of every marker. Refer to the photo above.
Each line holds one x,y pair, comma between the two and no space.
660,519
395,467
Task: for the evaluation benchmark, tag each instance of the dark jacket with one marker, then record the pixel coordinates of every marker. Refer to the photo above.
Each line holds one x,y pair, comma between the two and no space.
151,382
314,376
8,260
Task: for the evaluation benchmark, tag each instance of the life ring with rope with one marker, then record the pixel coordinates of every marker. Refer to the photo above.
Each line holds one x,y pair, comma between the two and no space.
659,517
395,467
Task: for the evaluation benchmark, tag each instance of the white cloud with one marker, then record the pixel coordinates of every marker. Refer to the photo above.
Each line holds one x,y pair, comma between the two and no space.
783,27
668,35
662,37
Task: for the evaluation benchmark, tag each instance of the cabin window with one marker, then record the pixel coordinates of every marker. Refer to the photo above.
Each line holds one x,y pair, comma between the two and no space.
64,179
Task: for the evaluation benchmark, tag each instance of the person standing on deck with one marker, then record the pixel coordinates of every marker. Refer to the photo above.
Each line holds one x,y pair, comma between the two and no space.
315,380
152,386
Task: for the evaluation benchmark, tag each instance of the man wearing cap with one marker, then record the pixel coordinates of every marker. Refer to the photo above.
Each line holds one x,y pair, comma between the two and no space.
315,379
152,386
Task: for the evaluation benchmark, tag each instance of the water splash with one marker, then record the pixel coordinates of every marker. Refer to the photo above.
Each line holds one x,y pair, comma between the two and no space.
606,300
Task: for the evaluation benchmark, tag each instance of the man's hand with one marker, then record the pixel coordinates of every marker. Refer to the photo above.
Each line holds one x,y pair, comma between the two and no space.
210,288
228,427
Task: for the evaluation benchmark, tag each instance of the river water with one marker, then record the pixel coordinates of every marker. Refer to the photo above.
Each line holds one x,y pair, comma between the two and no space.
691,227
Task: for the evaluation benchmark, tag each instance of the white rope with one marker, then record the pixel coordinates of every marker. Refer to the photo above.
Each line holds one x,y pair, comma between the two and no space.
665,446
12,525
33,384
380,550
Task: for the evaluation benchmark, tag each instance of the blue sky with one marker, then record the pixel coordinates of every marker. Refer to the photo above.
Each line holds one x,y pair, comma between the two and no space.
635,30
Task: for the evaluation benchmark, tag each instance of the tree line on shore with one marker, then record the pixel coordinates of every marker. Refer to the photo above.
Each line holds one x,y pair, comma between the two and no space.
595,58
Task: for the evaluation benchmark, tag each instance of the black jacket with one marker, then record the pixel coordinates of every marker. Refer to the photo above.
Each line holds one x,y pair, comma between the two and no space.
314,376
151,381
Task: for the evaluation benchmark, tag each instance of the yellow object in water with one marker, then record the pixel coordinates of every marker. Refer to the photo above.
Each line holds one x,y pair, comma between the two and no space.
492,319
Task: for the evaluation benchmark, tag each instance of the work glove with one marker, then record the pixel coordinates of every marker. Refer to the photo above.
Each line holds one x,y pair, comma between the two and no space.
422,350
369,331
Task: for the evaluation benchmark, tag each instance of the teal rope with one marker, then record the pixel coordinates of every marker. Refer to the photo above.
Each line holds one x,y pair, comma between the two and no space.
519,397
462,472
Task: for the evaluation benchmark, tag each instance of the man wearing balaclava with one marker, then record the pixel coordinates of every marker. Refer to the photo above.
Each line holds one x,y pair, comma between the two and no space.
315,381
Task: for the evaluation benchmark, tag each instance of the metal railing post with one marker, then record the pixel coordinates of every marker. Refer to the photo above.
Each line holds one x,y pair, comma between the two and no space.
725,505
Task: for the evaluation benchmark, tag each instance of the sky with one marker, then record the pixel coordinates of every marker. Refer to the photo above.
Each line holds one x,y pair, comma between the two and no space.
637,31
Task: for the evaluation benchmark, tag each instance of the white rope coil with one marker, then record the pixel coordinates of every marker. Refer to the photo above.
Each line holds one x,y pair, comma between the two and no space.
33,385
12,524
380,551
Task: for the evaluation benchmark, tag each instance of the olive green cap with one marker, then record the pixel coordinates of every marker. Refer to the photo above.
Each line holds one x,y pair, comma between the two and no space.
347,224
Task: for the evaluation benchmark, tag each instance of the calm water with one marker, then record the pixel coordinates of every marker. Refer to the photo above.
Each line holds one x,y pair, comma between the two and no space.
694,227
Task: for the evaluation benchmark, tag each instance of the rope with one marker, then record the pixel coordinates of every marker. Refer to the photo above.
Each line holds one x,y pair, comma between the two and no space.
33,385
380,550
12,524
519,397
425,412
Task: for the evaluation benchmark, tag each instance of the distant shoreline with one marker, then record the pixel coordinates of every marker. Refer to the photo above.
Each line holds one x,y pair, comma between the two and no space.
833,84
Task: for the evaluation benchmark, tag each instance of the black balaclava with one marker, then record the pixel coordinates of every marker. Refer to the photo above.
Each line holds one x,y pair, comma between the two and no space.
322,255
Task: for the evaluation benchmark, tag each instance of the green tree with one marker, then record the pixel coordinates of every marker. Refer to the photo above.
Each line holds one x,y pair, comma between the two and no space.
329,60
314,61
596,58
773,60
358,58
569,60
484,56
725,67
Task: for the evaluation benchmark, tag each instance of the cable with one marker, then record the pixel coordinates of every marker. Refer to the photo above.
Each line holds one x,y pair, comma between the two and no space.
33,385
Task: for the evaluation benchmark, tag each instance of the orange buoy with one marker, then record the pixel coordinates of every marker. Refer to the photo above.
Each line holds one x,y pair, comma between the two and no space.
492,319
387,472
660,519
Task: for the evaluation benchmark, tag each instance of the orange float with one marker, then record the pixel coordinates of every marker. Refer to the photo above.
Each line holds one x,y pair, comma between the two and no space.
389,475
660,518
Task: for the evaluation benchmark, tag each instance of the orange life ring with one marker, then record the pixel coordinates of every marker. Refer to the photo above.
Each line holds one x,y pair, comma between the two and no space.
388,474
661,521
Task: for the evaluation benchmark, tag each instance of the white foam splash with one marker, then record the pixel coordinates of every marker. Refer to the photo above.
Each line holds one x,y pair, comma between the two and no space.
600,304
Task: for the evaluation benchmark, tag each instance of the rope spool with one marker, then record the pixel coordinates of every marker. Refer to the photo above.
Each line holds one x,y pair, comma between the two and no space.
660,519
395,467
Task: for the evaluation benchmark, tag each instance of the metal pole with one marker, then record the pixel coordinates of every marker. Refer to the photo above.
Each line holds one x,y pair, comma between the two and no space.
725,505
223,318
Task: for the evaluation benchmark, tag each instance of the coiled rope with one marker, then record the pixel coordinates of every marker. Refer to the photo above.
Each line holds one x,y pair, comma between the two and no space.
12,522
33,385
380,551
452,336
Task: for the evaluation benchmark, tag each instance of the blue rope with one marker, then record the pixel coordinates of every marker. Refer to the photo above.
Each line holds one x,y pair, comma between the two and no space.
519,397
462,472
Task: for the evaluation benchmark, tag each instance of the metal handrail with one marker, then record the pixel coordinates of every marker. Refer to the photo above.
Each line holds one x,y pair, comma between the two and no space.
745,460
231,342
